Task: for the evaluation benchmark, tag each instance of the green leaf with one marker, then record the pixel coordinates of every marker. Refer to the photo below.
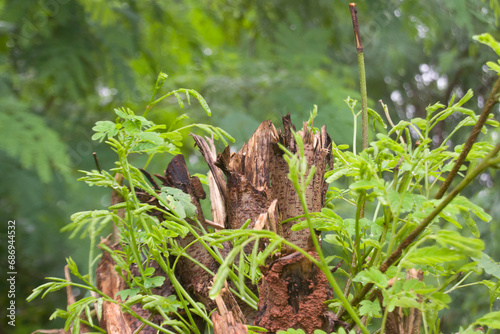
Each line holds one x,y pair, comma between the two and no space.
149,271
202,101
370,308
376,117
175,227
178,201
291,331
179,99
121,113
398,127
450,217
366,184
404,302
132,126
128,293
464,204
222,274
432,109
169,304
134,300
154,282
493,66
336,174
396,200
371,242
467,246
471,224
412,284
463,100
419,122
491,320
152,137
172,136
98,308
372,275
81,216
488,40
256,329
431,255
103,129
488,265
386,143
73,267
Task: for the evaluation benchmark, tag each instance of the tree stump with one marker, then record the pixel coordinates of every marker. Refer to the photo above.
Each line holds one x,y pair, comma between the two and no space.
253,184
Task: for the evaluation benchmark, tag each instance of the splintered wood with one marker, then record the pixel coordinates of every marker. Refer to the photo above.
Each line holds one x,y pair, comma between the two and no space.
256,187
257,176
249,184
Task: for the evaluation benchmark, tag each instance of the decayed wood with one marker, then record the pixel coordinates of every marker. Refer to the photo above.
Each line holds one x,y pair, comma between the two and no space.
247,177
292,294
318,151
216,181
257,175
228,318
256,187
400,323
110,283
113,320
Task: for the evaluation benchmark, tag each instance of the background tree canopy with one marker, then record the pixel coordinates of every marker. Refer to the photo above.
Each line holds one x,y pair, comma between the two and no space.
66,64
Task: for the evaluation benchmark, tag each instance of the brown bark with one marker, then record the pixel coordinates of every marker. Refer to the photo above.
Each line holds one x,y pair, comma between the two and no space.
110,283
399,322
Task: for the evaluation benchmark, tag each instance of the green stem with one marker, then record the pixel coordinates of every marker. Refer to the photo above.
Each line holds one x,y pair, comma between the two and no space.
146,321
384,320
362,75
357,239
457,286
91,254
355,133
423,225
160,80
180,292
364,106
93,326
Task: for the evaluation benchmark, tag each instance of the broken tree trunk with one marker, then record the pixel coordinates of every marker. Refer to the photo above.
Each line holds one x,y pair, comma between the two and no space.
256,187
252,184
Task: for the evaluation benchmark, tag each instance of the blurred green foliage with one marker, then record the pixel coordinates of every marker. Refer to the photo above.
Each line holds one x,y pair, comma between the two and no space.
66,64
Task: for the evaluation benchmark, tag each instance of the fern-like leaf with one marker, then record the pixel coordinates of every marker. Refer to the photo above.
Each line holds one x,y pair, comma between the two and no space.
27,138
